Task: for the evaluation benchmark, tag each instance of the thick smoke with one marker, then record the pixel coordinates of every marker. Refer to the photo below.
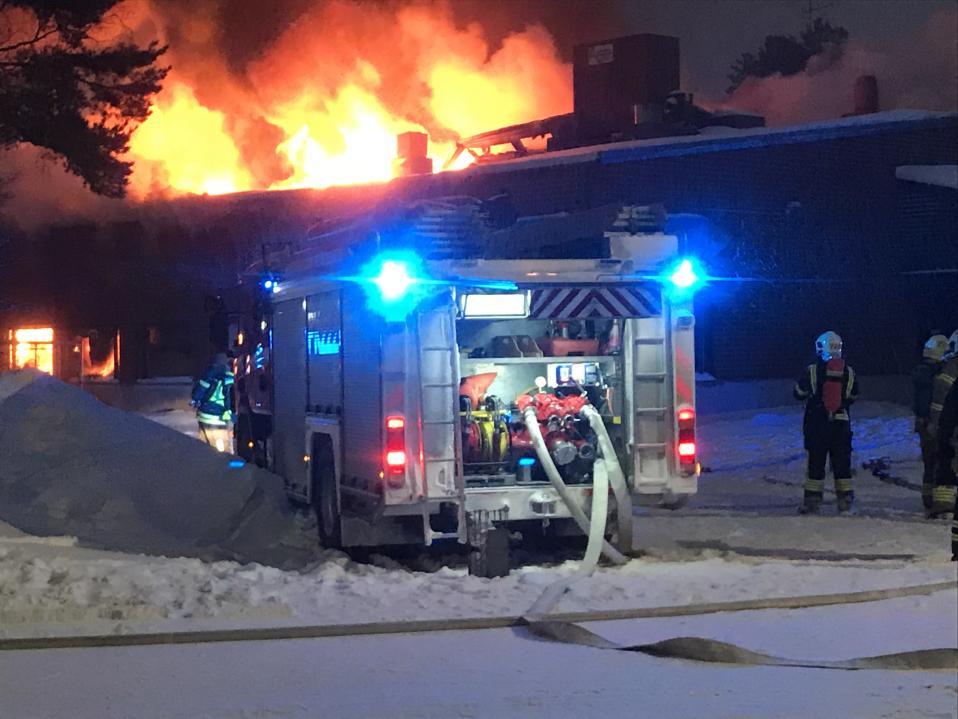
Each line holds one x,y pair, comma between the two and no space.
918,72
310,92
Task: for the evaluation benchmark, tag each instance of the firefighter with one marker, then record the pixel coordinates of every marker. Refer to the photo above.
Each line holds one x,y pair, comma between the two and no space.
828,387
923,377
213,399
943,425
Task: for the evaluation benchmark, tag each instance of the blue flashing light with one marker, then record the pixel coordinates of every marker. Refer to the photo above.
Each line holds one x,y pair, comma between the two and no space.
395,283
526,461
685,277
237,463
393,280
270,284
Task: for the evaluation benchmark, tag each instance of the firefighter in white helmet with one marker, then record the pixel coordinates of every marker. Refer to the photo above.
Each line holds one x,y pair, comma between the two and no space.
943,424
828,387
923,376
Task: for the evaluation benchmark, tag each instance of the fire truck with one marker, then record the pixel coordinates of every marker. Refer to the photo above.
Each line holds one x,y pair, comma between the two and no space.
412,400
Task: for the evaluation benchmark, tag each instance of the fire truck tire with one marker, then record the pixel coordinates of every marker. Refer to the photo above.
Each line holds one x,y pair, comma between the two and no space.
674,501
324,495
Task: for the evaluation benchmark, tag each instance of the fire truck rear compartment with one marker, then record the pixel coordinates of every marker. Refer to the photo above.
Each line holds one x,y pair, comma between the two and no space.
553,366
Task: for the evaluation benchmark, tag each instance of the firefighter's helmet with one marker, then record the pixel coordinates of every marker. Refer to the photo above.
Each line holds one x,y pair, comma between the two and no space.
935,348
828,345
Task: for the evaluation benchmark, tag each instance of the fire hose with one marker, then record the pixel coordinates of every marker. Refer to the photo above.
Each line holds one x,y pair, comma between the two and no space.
623,497
594,527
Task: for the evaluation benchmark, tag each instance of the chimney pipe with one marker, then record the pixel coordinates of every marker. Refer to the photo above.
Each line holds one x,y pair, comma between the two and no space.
411,151
866,95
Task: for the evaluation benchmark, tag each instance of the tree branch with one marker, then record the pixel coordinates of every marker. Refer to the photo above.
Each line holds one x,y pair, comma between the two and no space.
37,37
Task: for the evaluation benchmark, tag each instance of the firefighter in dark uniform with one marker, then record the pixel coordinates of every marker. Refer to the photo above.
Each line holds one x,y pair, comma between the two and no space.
943,424
828,387
213,399
923,376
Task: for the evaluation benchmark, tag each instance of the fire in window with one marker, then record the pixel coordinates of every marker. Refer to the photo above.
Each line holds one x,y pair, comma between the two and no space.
32,347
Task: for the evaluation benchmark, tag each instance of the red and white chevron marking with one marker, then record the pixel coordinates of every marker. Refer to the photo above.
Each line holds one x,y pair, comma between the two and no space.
586,302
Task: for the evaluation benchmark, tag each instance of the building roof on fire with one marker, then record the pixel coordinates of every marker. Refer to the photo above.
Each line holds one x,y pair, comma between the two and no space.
724,139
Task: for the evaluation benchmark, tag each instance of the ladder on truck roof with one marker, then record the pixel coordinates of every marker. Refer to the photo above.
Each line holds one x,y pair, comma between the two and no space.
439,412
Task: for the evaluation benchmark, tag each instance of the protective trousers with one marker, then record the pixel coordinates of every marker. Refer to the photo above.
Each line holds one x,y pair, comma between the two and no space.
216,436
943,494
954,532
829,441
929,458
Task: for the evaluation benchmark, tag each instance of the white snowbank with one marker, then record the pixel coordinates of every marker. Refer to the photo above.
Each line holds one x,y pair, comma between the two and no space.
56,590
12,382
940,175
72,465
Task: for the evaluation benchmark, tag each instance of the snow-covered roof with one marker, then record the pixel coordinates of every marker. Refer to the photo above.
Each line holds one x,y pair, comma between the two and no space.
722,139
940,175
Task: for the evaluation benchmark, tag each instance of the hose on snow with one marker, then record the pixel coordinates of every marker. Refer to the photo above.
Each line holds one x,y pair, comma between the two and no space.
594,526
623,497
585,524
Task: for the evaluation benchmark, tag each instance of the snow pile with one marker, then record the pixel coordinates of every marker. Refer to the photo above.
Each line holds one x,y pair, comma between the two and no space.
940,175
46,589
74,466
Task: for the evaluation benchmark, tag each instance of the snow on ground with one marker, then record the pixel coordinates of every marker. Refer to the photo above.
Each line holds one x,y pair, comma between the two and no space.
183,421
504,673
54,590
72,465
739,539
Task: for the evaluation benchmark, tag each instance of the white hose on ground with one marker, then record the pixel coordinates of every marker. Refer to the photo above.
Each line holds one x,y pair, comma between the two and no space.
623,497
594,527
532,424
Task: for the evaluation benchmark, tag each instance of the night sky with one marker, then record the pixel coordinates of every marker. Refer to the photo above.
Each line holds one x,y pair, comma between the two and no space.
713,32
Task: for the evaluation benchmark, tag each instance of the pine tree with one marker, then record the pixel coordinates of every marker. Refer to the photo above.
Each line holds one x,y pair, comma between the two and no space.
72,94
786,54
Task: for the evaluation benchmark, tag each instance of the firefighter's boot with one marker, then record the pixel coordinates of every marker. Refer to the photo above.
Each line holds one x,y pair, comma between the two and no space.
943,501
812,500
810,505
845,495
846,503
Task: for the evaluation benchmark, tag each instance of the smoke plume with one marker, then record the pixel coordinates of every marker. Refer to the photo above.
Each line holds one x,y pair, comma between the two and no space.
917,73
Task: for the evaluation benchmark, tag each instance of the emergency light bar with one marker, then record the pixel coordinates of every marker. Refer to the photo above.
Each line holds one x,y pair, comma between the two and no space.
494,306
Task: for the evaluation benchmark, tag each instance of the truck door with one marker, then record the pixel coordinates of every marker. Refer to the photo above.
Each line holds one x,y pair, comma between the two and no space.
289,399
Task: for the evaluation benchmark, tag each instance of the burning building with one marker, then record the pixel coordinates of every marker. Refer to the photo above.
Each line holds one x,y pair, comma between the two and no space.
794,217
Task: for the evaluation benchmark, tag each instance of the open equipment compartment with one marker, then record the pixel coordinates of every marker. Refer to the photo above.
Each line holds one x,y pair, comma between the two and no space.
556,366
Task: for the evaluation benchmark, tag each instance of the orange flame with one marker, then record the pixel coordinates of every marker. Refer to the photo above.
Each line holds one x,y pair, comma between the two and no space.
97,369
31,347
323,105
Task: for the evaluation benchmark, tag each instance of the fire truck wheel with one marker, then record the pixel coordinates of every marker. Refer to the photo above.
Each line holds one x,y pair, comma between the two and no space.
674,501
325,502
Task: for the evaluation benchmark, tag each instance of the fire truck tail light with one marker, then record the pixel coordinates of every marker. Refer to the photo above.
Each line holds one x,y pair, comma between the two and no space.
686,415
396,450
687,451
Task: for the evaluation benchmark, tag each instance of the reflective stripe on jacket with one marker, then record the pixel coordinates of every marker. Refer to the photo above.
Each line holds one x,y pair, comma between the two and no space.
213,395
808,389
